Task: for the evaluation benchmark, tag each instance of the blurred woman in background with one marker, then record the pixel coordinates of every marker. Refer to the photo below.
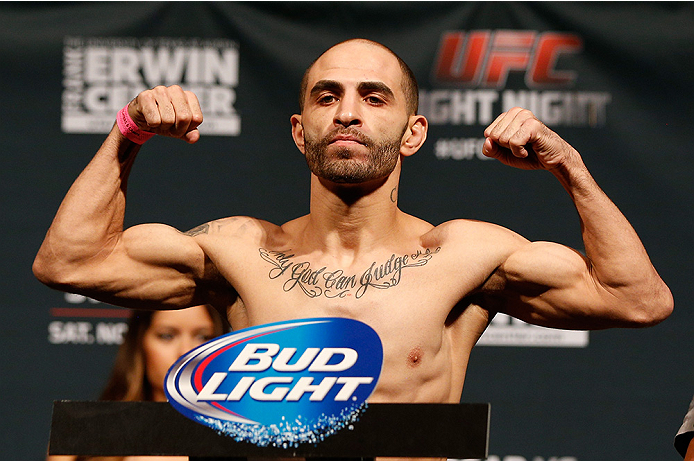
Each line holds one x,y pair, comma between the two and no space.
154,341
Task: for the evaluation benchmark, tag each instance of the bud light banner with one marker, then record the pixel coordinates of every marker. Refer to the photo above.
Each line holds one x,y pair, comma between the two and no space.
280,384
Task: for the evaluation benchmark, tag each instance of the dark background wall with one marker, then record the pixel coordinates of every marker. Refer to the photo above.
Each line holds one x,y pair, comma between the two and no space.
619,89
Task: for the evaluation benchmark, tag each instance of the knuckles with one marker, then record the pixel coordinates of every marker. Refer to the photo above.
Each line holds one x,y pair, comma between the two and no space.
514,127
518,128
167,110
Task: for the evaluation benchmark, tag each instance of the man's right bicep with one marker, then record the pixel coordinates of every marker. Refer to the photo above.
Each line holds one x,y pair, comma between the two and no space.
150,265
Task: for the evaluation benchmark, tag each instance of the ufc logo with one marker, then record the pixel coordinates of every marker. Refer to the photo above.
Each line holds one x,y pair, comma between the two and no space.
485,58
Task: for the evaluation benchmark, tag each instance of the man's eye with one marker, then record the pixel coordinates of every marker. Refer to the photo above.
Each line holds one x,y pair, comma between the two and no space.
326,99
374,100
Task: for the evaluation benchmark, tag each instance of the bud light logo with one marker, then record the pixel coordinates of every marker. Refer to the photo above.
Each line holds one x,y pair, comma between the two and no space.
279,384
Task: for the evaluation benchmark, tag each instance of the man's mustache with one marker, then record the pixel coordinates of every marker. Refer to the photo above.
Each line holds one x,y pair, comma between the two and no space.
348,133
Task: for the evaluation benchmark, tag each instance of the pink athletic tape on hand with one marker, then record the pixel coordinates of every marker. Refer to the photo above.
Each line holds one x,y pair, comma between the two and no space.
130,130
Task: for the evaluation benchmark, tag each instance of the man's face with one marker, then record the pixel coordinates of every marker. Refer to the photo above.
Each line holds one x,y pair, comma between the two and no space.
354,116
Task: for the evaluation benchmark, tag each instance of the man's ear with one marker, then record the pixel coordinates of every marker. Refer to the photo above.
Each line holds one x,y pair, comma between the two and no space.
298,132
415,135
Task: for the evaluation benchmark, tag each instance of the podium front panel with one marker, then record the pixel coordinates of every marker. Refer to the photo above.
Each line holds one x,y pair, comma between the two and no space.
157,429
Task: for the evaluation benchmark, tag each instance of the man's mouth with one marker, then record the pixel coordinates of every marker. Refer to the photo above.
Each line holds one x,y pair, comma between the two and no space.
346,139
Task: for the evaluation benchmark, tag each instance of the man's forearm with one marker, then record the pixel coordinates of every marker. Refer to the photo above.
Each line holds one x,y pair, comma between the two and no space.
90,217
619,260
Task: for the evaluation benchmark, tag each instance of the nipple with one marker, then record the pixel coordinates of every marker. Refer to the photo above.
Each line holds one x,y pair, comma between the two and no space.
414,358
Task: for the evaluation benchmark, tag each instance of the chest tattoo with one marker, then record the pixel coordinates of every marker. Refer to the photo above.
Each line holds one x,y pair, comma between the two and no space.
335,283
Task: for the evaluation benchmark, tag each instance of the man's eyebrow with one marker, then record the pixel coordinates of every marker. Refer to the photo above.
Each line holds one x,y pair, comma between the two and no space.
330,85
362,87
376,86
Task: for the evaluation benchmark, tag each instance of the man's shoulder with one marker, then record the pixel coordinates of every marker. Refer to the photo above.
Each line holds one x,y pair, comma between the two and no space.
236,227
470,240
470,229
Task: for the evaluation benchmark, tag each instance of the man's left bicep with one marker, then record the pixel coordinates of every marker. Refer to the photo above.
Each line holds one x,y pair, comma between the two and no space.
552,285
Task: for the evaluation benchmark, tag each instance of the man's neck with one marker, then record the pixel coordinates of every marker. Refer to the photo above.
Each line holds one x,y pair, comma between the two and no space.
354,218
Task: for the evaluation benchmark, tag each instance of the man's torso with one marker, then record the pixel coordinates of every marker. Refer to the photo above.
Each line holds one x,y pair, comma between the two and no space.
414,289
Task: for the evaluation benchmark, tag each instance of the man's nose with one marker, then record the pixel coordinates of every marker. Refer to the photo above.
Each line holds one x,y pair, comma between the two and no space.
348,112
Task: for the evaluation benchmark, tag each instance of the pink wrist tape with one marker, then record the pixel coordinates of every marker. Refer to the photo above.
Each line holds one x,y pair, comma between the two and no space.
129,129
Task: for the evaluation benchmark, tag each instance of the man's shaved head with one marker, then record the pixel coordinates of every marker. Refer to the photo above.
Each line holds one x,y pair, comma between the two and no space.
408,81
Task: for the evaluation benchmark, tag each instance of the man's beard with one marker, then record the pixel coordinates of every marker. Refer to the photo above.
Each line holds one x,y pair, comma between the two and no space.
382,157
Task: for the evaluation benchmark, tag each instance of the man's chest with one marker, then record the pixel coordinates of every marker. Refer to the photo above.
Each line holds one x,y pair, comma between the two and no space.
407,297
279,284
330,280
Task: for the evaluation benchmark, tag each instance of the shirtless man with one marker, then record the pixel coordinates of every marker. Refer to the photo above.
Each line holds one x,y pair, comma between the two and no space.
428,291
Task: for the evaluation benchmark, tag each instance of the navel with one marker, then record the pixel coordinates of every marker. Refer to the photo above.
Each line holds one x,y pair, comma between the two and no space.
414,358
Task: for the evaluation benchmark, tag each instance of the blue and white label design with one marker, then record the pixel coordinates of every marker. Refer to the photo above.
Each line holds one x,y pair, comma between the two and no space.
279,384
